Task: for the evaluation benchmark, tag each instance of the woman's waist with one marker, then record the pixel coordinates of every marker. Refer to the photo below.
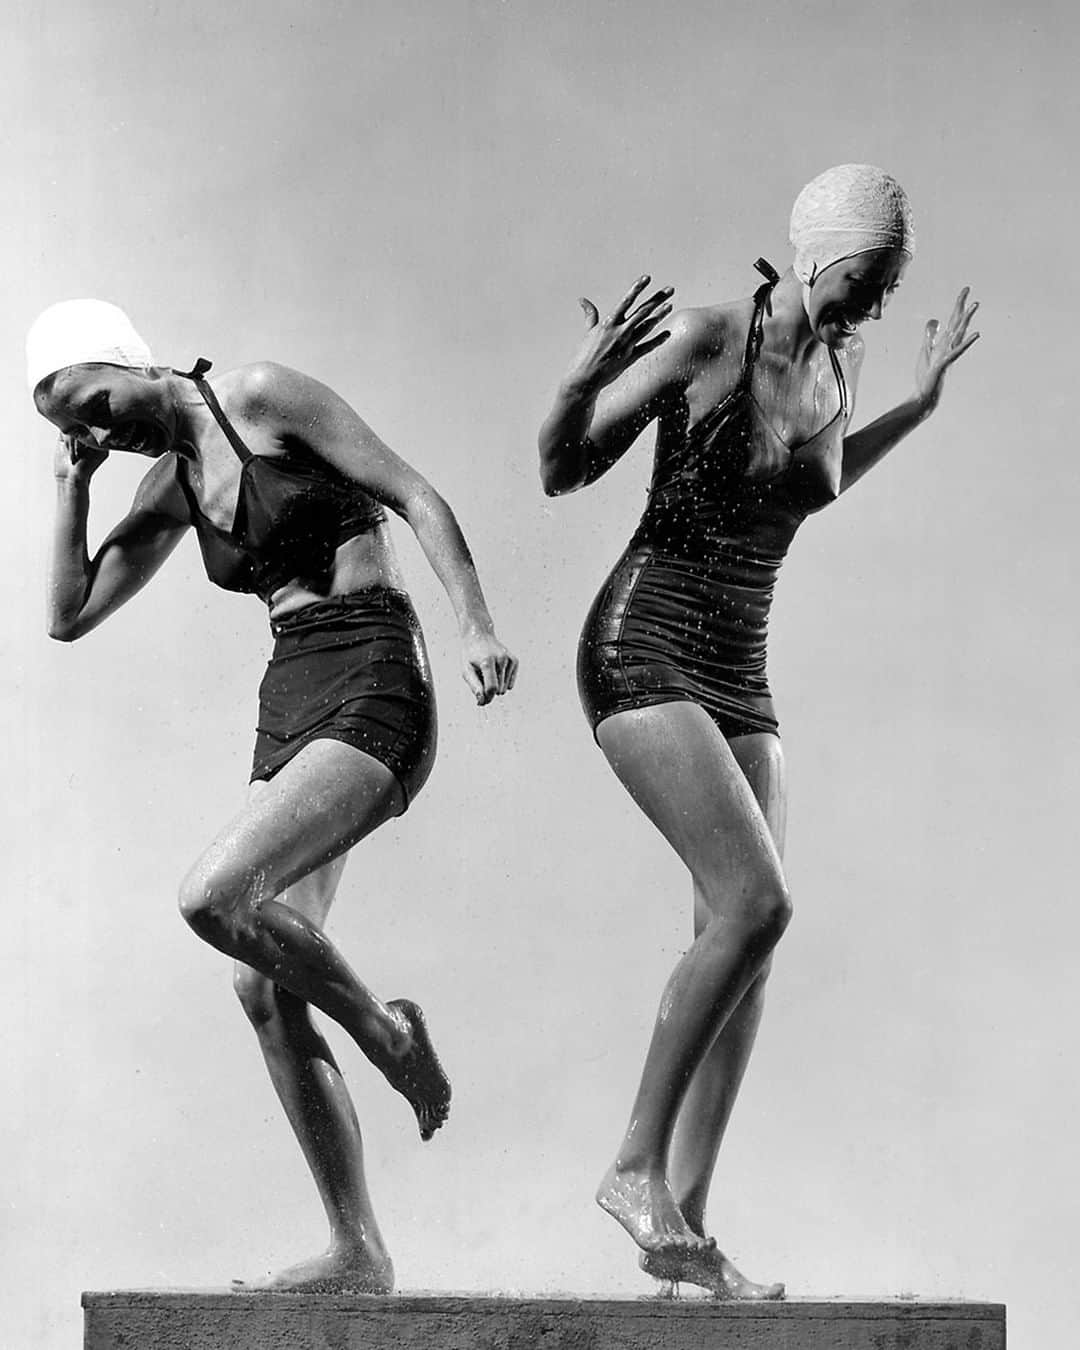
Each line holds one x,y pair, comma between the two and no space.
757,523
368,614
712,559
362,564
376,629
654,597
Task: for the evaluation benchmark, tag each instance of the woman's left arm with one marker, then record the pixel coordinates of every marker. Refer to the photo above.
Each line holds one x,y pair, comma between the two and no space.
941,347
301,408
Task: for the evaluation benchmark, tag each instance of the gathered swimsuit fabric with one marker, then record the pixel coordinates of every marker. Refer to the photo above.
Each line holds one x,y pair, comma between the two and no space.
684,613
351,668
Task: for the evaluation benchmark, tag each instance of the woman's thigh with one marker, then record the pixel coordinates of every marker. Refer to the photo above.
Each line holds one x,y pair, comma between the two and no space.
761,758
687,779
313,894
304,819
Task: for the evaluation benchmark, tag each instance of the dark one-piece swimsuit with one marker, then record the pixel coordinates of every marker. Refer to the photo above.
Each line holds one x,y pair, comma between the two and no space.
684,614
351,668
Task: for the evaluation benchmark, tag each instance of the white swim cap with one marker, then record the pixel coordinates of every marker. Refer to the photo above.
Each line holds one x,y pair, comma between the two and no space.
75,332
847,210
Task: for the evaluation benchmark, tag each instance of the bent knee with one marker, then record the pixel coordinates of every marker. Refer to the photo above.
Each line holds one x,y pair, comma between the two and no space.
767,913
761,907
778,911
257,994
214,903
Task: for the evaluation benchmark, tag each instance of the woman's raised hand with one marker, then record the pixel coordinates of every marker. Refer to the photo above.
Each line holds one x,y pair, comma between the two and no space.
75,460
942,345
613,344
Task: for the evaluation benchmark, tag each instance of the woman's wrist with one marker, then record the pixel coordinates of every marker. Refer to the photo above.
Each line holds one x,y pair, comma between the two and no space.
923,404
476,623
577,391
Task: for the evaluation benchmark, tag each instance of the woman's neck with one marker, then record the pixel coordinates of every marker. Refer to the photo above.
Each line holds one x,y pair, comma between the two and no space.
189,412
787,329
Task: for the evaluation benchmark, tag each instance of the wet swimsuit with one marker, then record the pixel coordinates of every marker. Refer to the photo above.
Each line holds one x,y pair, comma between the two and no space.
355,669
292,512
684,614
351,668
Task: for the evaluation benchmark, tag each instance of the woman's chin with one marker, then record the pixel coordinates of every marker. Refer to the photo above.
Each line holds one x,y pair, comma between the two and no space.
837,335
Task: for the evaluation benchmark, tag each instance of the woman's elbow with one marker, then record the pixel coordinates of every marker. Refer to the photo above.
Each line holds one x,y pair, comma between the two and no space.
550,484
555,480
64,628
422,508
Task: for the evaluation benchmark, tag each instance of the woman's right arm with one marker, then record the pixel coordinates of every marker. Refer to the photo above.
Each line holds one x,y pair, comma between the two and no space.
85,590
590,425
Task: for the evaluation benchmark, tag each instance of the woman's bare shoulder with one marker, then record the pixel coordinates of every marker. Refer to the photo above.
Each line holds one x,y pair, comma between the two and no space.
709,335
710,330
263,383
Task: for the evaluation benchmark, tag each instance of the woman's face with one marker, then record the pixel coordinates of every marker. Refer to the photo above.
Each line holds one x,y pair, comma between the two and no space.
108,408
850,291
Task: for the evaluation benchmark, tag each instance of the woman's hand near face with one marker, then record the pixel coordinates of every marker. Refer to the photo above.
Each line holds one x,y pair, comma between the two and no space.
76,462
613,344
488,667
942,345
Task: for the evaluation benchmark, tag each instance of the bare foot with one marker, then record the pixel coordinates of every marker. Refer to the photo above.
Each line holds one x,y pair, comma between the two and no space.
417,1074
338,1271
644,1205
707,1267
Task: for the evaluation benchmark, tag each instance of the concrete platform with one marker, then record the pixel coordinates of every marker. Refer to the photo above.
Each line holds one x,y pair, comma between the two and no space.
211,1320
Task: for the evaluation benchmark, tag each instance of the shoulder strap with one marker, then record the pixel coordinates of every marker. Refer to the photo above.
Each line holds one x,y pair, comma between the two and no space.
838,371
195,374
762,306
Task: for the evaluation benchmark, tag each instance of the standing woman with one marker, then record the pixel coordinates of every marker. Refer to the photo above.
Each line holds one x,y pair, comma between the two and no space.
285,487
752,400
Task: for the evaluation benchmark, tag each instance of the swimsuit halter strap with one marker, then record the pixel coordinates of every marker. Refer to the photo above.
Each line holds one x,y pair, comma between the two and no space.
838,371
762,306
755,337
195,374
197,371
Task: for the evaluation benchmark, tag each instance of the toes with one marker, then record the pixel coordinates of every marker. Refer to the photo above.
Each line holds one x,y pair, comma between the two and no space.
430,1119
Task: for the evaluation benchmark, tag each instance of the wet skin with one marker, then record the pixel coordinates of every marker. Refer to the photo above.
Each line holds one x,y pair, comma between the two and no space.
261,891
721,805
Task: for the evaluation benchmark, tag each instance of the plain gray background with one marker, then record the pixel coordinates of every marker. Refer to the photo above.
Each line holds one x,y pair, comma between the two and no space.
406,200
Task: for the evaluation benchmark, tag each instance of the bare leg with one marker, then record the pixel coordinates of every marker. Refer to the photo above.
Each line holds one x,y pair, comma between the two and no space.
325,800
312,1091
714,1087
682,773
